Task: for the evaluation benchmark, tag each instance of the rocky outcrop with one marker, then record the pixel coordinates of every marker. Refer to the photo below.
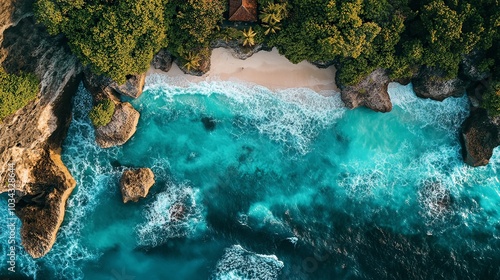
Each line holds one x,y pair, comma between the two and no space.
430,83
204,64
479,136
237,50
31,138
162,60
469,70
121,127
100,84
135,183
371,93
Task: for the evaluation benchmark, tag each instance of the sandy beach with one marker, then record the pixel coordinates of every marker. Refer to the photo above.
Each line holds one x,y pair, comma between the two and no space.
269,69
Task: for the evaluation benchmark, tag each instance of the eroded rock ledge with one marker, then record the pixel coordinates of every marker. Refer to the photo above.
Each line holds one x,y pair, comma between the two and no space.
31,138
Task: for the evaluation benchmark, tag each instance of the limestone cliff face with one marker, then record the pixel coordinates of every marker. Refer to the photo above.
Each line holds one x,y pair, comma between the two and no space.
430,84
32,137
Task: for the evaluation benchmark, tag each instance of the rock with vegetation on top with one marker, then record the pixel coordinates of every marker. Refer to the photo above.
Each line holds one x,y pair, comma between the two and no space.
101,86
31,138
479,136
162,60
132,87
371,92
135,184
237,50
121,127
430,83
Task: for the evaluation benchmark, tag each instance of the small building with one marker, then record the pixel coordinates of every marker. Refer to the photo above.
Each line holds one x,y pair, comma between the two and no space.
243,10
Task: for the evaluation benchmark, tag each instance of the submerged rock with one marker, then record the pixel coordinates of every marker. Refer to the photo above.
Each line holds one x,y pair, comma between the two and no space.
122,126
162,60
135,184
435,198
371,92
429,83
479,136
209,123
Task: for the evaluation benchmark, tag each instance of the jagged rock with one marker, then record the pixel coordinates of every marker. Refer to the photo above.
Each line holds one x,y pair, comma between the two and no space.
162,60
101,86
135,184
371,93
31,138
429,83
133,86
323,64
479,136
237,50
121,127
468,67
41,208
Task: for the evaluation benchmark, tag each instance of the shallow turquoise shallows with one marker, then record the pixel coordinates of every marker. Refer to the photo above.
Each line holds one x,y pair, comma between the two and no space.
276,185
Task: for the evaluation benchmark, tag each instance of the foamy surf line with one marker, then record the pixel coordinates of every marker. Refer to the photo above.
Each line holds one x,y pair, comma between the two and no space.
268,69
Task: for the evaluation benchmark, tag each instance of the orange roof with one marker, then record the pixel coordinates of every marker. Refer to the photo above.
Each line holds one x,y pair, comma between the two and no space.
243,10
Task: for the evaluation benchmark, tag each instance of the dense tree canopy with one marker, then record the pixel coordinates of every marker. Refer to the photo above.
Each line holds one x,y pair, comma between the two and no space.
119,37
115,37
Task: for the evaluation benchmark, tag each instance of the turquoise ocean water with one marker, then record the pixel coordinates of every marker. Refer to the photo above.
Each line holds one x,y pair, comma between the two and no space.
276,185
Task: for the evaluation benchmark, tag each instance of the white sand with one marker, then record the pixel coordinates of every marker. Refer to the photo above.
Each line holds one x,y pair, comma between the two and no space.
268,69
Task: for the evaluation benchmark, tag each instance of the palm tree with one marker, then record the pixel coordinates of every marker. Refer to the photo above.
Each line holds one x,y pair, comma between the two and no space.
271,16
193,61
249,37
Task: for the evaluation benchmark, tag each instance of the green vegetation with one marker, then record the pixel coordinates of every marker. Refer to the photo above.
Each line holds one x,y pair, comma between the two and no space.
16,91
114,37
101,114
120,37
249,36
491,100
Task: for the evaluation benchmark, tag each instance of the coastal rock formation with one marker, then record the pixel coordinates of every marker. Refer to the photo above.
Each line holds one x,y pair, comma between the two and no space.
204,64
135,184
162,60
237,50
121,127
429,83
100,84
132,87
479,136
371,93
468,68
31,138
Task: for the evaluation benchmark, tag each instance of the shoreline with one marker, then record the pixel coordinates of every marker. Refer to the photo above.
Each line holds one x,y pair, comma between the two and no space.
268,69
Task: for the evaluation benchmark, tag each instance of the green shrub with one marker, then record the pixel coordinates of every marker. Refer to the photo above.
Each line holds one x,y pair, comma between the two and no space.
102,113
491,101
16,91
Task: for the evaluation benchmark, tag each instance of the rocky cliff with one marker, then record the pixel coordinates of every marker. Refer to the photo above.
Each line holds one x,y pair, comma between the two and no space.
32,137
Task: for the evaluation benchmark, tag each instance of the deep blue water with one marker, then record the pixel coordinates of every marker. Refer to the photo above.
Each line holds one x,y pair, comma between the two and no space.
277,185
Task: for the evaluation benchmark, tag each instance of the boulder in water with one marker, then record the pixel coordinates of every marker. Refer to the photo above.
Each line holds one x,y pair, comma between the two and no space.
121,127
371,92
479,136
135,184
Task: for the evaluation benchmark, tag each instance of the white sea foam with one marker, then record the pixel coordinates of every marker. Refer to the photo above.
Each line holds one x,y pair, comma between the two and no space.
174,213
292,117
238,263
